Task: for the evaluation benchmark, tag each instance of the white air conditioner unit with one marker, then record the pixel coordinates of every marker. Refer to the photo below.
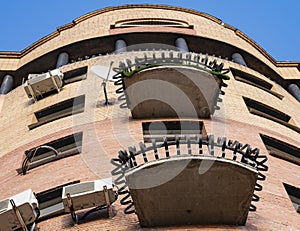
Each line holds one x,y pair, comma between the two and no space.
18,211
98,193
88,194
39,84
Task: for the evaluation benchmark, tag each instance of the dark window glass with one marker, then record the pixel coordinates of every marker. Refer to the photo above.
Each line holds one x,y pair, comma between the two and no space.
281,149
254,81
260,109
159,129
75,75
50,202
240,75
65,108
294,194
255,107
63,147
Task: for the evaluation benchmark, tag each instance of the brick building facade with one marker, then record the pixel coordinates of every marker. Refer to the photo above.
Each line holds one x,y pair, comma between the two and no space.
260,107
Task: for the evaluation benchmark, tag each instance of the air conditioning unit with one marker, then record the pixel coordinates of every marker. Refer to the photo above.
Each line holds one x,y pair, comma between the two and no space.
40,84
88,194
19,211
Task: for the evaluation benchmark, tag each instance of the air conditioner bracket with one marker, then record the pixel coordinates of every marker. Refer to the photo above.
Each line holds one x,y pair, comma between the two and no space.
20,218
108,203
70,205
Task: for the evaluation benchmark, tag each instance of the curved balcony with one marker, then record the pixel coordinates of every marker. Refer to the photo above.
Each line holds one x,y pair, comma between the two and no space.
190,181
173,85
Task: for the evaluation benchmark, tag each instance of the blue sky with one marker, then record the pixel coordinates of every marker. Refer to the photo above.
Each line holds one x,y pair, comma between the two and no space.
274,25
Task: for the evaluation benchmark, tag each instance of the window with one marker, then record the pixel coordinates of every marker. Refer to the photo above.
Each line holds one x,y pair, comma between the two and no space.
66,108
52,151
50,202
260,109
159,129
281,149
75,75
151,22
254,81
294,194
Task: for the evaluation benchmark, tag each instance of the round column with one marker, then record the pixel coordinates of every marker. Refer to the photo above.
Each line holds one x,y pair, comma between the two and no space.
294,90
7,84
238,58
63,59
120,46
181,44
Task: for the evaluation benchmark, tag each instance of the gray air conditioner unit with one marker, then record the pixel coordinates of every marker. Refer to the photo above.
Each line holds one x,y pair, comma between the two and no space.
19,211
40,84
97,193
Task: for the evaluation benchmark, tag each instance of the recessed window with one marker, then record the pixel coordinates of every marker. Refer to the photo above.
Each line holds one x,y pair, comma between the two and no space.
50,202
254,81
52,151
243,76
75,75
281,149
151,22
260,109
159,130
63,109
294,194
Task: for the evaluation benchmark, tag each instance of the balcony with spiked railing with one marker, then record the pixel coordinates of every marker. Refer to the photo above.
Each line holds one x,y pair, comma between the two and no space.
190,180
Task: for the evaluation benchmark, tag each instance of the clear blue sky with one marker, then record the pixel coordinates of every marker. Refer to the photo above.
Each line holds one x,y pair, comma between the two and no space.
274,25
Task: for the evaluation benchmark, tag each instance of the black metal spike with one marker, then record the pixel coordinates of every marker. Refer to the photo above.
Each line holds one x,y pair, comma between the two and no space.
132,152
143,148
255,198
211,145
166,146
155,149
124,105
199,141
188,142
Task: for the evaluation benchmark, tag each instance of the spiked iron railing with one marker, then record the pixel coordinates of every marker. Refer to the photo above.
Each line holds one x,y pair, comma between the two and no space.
199,61
205,147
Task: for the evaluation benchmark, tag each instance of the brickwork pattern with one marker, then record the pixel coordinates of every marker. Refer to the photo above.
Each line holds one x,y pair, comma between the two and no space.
105,132
80,167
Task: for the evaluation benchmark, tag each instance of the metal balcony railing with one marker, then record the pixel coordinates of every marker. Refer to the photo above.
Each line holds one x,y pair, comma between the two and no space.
219,148
164,58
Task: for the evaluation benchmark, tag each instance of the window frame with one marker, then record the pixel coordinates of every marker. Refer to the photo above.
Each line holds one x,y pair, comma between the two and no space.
280,149
254,81
270,113
173,129
294,195
75,75
51,199
73,147
148,22
59,110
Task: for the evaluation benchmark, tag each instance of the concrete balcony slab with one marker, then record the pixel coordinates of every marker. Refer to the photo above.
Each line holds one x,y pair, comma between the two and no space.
191,189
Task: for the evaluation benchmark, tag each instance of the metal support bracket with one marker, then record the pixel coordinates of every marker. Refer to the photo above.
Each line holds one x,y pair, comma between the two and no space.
70,206
54,82
18,215
108,204
32,92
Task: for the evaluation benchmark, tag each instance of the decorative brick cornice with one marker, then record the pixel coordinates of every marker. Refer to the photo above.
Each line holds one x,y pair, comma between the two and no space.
18,55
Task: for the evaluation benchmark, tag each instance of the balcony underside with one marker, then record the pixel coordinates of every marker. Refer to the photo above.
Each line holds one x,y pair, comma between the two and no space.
191,190
172,91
